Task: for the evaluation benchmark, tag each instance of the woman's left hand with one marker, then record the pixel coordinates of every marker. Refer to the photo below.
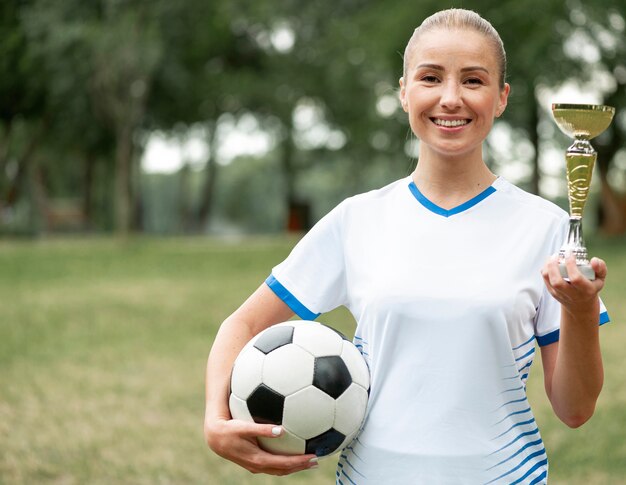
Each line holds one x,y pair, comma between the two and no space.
578,294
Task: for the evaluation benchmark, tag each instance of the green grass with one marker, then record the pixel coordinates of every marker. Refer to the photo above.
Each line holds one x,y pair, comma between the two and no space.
103,345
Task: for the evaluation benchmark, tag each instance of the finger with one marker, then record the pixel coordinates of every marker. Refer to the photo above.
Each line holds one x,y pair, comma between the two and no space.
269,463
246,428
576,278
286,462
599,266
280,472
555,279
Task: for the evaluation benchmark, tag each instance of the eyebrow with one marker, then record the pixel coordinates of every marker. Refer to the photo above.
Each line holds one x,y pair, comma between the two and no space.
441,68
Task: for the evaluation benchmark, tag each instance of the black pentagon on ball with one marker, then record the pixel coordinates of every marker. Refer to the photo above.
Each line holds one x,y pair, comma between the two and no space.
331,375
326,443
266,405
273,338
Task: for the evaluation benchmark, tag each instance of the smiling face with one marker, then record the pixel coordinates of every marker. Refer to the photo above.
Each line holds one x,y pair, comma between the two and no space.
452,93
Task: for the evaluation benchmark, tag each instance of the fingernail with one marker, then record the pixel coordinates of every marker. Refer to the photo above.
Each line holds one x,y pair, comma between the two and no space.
568,253
314,459
276,430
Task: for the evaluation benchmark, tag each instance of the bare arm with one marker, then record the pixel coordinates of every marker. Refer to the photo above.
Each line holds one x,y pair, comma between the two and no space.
235,439
573,370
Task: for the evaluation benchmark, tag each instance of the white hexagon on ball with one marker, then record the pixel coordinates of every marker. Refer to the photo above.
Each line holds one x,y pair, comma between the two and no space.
247,372
288,369
356,364
317,339
239,409
350,409
309,412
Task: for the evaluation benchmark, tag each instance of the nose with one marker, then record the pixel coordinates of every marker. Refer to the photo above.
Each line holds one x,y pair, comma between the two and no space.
451,96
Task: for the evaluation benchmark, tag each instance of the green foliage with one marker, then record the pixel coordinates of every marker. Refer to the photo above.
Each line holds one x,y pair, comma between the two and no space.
83,83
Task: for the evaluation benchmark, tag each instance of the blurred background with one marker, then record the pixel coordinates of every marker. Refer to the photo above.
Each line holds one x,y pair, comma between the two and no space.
230,127
235,117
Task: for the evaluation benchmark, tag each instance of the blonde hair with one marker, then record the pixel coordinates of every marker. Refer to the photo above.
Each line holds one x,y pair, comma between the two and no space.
459,19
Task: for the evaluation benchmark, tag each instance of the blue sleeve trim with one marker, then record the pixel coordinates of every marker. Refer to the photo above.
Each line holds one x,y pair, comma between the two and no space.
291,301
604,318
548,338
553,336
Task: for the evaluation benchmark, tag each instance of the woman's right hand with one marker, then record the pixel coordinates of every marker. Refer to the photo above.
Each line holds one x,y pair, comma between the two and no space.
236,441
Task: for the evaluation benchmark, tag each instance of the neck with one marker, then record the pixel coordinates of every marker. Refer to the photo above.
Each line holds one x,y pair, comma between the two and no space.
449,182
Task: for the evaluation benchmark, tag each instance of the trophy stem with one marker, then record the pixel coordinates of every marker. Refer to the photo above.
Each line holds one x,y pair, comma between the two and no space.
580,159
576,245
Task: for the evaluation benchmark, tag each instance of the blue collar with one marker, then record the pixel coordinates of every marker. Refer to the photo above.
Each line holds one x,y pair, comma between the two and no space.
455,210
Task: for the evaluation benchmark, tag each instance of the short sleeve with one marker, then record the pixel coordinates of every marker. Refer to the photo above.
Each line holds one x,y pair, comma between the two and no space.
312,279
548,317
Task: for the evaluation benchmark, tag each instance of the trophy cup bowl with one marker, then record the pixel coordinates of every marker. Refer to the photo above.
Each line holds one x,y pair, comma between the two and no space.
581,122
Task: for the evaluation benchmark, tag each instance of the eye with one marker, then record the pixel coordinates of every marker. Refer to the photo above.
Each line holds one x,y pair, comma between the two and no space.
429,79
474,81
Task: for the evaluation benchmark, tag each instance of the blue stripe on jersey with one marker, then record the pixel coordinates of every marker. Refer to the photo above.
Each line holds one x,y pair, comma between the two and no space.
521,464
539,478
343,472
529,472
513,414
455,210
527,354
521,423
527,433
511,390
553,336
345,458
512,402
527,342
527,445
291,301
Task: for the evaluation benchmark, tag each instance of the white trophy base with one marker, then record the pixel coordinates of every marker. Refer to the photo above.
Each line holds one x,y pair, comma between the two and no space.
585,269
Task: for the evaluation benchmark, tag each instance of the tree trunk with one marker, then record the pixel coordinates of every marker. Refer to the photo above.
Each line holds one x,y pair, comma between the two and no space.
207,196
612,209
184,217
22,172
88,184
533,135
612,217
123,171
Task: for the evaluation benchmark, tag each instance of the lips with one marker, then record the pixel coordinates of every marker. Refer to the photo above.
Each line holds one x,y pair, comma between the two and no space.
450,123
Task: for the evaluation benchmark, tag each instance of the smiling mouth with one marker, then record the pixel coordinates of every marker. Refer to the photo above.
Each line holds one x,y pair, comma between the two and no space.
450,123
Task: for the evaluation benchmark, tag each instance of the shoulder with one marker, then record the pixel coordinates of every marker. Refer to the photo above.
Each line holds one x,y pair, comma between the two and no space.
377,197
531,204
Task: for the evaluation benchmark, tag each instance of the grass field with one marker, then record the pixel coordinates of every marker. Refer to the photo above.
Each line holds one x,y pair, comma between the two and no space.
103,345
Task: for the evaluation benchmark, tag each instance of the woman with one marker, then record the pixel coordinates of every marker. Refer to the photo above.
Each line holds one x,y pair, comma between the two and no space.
445,274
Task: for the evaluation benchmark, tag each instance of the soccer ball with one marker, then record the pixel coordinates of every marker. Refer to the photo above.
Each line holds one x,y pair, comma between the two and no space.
306,377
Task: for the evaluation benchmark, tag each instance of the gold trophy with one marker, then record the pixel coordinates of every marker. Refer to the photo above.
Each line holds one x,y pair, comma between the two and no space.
582,122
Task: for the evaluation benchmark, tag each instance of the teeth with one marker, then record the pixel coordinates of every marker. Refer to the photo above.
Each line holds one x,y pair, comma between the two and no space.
450,123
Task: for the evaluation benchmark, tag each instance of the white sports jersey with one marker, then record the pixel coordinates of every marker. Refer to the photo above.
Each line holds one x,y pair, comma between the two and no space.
448,305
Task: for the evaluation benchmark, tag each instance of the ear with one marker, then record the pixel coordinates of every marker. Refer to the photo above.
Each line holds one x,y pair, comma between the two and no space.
502,102
402,95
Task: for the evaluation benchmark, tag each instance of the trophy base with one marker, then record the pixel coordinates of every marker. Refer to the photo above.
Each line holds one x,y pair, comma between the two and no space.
586,270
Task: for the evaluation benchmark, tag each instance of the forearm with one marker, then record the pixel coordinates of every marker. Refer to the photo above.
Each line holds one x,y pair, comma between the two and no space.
258,312
230,339
578,373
